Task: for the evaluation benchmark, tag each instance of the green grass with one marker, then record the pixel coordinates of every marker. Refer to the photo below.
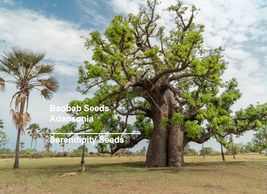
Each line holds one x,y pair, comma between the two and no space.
246,174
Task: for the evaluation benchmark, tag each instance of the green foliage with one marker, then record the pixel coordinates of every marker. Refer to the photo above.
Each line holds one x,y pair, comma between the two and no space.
248,147
177,118
207,151
136,62
67,128
80,149
190,151
236,149
193,129
259,141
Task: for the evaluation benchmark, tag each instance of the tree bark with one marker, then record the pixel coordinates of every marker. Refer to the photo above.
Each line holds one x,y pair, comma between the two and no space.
223,158
176,147
16,163
166,147
232,142
157,149
175,136
82,159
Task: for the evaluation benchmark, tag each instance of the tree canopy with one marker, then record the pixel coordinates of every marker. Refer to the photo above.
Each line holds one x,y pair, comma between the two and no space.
164,83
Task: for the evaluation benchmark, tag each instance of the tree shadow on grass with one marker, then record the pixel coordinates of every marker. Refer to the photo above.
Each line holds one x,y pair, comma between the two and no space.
216,163
124,167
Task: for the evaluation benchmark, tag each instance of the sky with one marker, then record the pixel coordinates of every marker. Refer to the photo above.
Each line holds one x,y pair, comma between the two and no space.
57,28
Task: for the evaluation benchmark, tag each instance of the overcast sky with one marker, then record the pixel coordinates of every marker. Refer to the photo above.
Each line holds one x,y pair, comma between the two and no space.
56,28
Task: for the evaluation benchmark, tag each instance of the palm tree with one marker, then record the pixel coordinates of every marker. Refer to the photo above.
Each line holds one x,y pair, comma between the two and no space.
38,135
27,74
21,144
3,136
33,132
45,135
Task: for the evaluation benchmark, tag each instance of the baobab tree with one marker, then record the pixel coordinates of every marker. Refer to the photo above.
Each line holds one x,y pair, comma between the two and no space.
24,69
162,77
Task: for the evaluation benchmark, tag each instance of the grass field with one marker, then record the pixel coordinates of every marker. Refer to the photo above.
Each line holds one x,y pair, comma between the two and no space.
246,174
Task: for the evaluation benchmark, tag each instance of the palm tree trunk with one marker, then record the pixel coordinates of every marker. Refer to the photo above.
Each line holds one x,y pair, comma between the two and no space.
31,143
35,146
31,148
16,163
44,146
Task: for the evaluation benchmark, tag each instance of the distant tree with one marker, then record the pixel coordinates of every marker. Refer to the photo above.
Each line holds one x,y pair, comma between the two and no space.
81,148
46,133
3,136
21,145
34,133
259,140
1,124
248,147
27,73
189,151
233,149
207,151
36,140
48,146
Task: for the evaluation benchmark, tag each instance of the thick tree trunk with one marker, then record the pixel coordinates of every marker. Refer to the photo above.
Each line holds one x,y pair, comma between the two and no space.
157,149
175,136
166,147
16,163
176,146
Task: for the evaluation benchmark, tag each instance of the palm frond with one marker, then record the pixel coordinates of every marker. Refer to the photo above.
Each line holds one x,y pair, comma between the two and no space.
33,126
50,84
47,94
27,58
2,84
44,69
16,118
25,119
21,97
